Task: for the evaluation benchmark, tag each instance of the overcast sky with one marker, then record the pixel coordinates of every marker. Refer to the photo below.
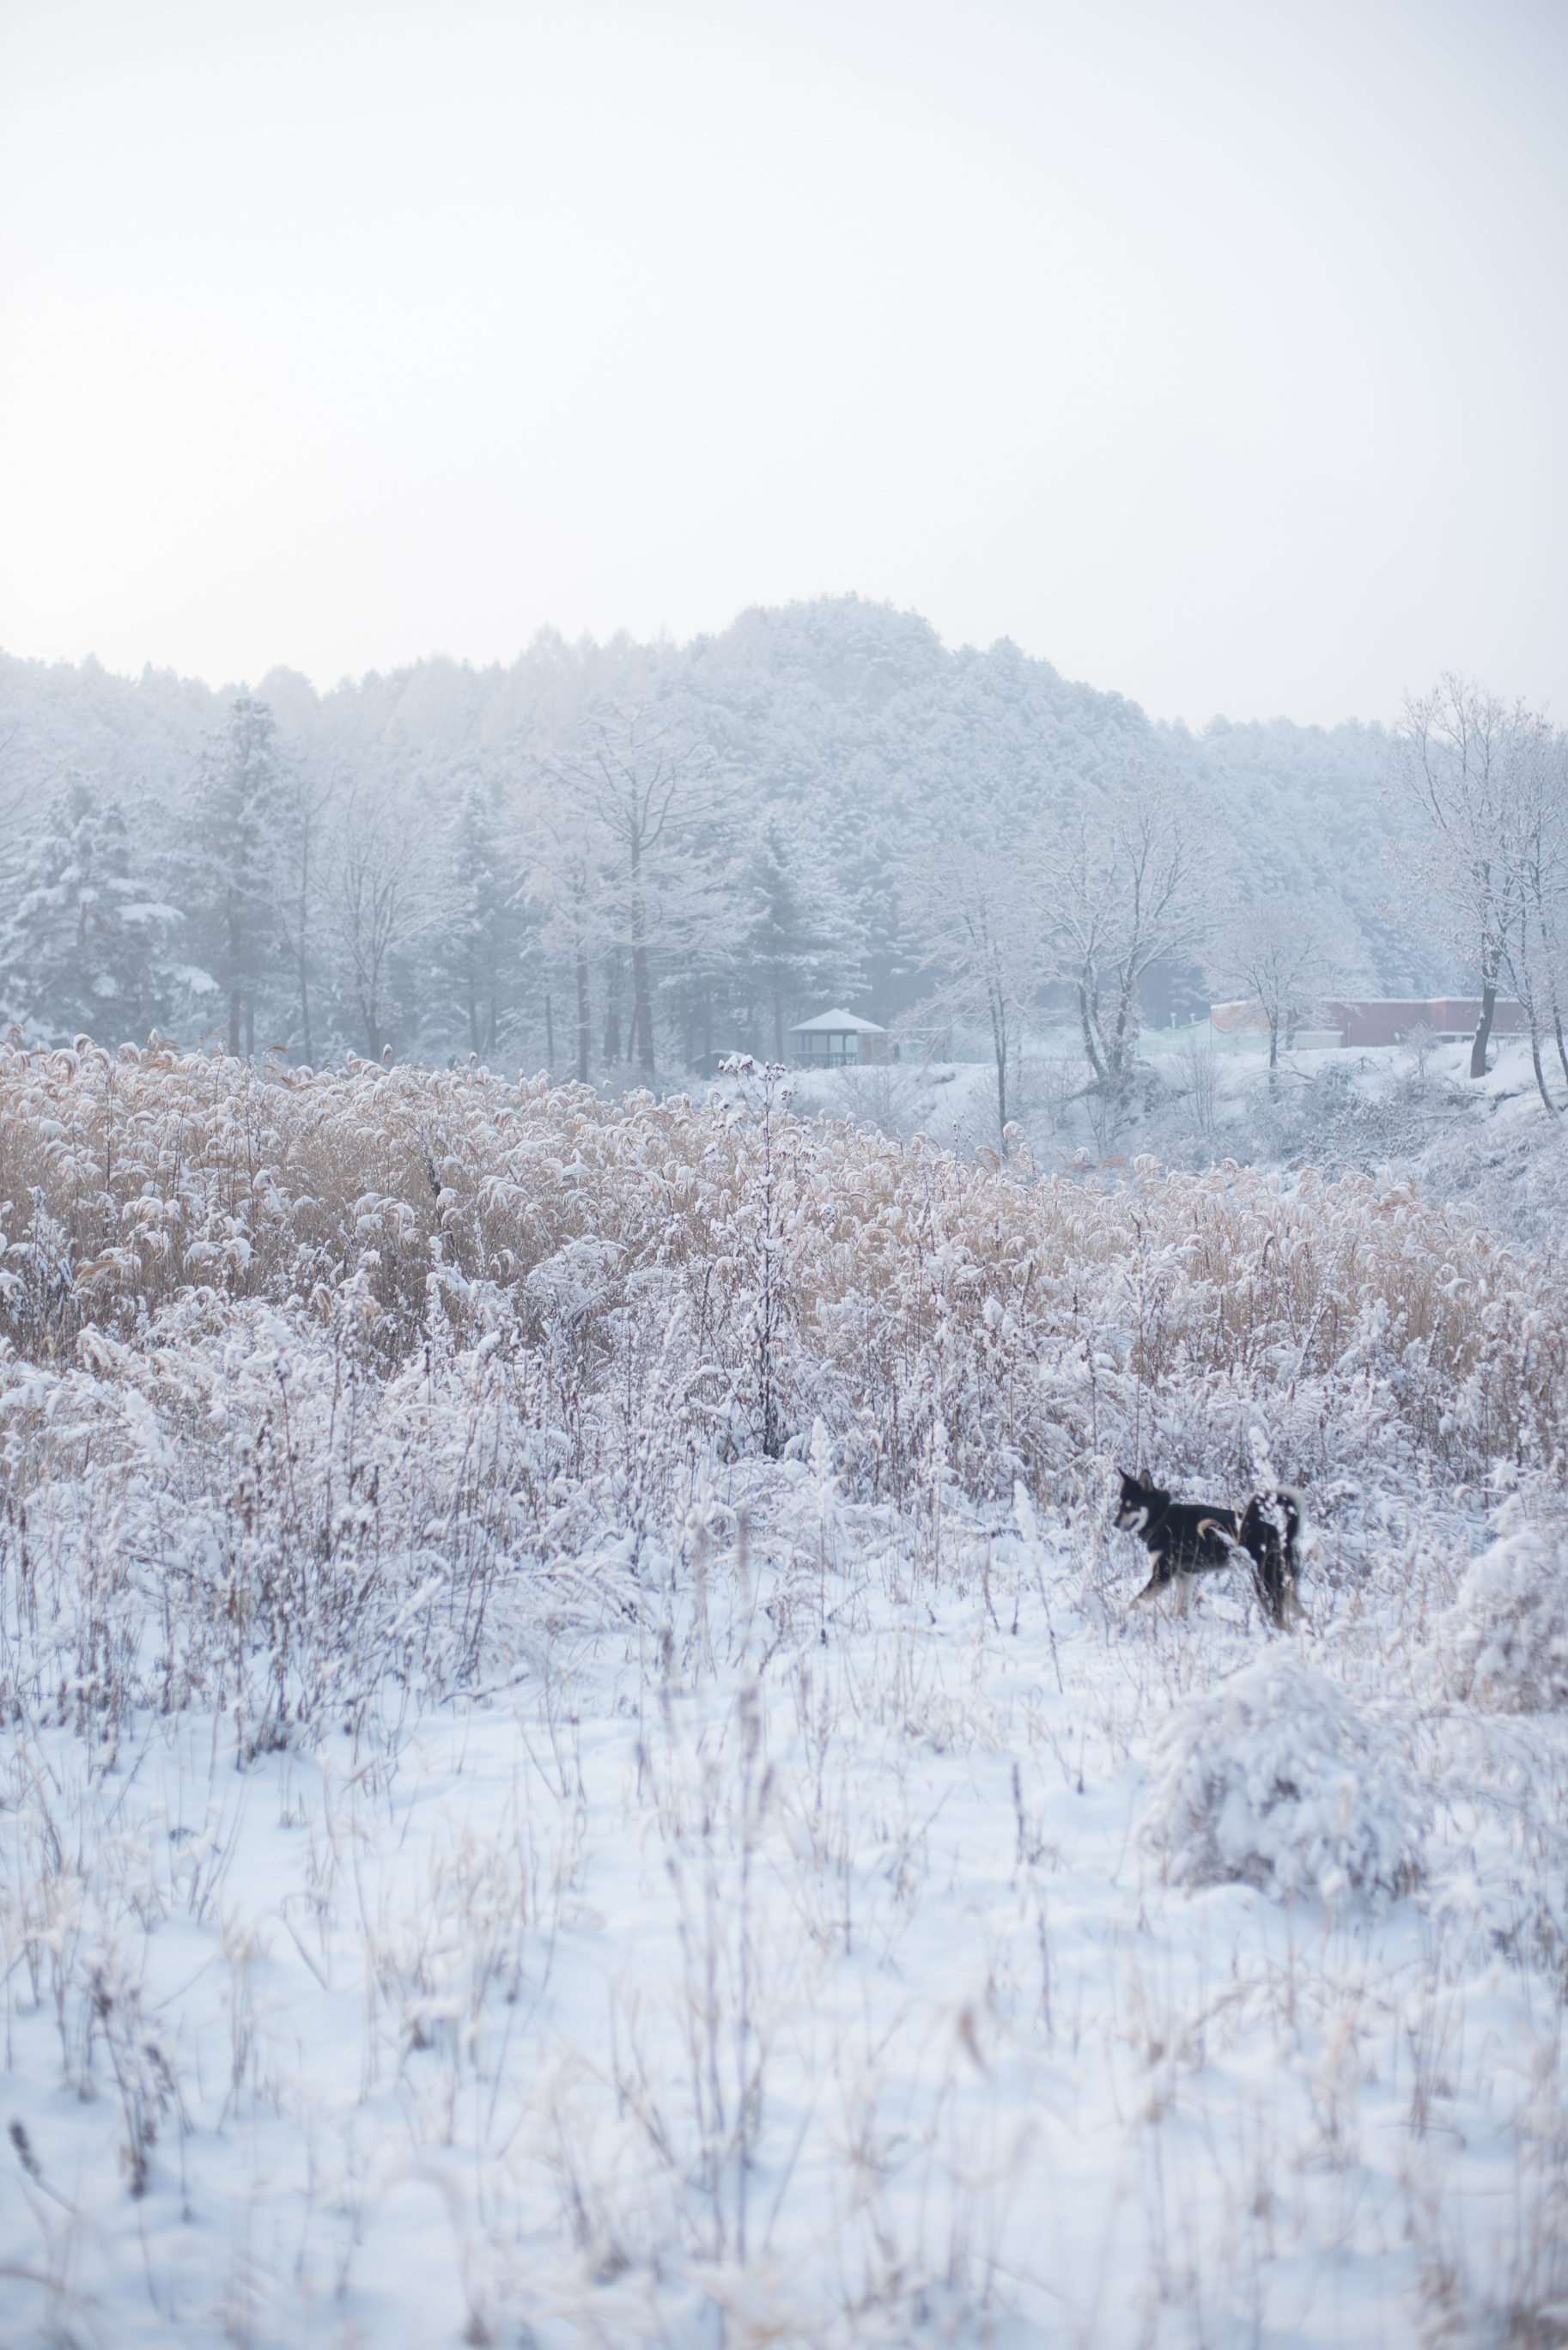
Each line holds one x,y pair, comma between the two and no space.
1218,353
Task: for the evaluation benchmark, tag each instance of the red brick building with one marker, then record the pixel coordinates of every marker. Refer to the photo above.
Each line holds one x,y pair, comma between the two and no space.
1381,1020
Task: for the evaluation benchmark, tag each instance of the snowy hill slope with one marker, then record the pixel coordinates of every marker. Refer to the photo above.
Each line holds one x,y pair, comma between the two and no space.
843,736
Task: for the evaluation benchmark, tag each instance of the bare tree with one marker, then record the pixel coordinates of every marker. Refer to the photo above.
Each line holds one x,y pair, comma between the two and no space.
1546,881
1536,847
1114,883
643,776
13,788
302,806
971,904
1463,759
1279,955
371,907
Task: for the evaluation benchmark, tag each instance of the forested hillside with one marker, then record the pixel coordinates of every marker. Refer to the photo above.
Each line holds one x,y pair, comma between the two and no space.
621,860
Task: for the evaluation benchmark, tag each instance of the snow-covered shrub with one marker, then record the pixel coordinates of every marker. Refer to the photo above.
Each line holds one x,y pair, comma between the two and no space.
1277,1779
306,1356
1043,1320
1503,1645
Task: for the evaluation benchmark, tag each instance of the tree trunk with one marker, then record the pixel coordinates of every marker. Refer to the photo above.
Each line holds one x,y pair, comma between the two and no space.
1088,1017
999,1047
1483,1027
304,1003
585,1027
235,981
303,957
549,1037
1120,1059
1535,1057
642,1006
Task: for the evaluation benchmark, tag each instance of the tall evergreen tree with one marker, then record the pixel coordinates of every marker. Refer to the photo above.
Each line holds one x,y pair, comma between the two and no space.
484,934
797,942
231,877
87,949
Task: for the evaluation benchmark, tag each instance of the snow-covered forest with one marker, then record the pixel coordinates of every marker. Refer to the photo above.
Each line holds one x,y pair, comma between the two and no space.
579,1766
620,861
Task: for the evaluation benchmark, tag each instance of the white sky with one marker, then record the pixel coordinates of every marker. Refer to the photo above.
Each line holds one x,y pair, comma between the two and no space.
1218,353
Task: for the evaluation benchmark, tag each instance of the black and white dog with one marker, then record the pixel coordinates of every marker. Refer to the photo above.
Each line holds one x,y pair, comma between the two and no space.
1187,1538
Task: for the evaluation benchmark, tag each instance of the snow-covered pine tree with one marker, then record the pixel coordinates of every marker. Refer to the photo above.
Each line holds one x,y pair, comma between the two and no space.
484,938
87,948
799,939
231,876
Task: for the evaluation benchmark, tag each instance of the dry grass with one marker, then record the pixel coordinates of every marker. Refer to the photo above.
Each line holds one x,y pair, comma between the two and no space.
1038,1321
767,1926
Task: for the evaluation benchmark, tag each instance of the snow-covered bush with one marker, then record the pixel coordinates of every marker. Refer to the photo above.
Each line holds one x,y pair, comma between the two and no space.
383,1460
317,1359
1278,1779
1042,1319
1503,1645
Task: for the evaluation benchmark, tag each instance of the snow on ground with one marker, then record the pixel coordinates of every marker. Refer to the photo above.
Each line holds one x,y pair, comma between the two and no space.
485,1856
855,1987
1390,1110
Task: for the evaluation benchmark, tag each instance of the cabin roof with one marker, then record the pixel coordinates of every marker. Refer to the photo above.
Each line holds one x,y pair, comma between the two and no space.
838,1023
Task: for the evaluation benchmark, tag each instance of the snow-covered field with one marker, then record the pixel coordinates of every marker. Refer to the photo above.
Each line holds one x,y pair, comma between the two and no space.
487,1854
1392,1110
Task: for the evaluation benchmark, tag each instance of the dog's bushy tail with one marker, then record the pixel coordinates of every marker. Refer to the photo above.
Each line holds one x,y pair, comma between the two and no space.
1272,1548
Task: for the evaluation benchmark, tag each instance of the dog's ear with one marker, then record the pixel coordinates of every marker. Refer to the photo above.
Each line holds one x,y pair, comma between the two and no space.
1144,1479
